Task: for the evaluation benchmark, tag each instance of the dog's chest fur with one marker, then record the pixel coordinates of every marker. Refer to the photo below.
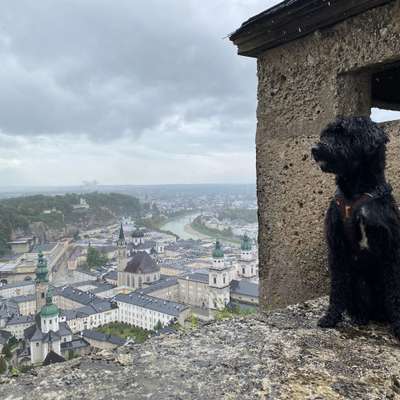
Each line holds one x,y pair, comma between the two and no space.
353,216
363,243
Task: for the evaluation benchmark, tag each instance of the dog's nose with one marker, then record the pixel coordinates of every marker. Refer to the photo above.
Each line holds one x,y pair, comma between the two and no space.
315,149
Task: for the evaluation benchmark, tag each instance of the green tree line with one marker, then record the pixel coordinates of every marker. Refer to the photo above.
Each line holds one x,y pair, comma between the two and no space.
18,213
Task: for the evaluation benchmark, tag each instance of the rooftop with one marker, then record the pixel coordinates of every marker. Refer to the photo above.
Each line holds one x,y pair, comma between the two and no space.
44,248
24,298
17,285
152,303
102,337
244,288
20,319
161,284
76,295
142,263
293,19
196,276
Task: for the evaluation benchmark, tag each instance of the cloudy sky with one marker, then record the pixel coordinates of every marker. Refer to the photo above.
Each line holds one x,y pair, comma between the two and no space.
125,92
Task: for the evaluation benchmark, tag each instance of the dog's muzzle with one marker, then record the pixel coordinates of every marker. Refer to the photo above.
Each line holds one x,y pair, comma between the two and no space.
316,152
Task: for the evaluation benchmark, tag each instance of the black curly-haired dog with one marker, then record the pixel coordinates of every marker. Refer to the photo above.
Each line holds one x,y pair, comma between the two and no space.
362,225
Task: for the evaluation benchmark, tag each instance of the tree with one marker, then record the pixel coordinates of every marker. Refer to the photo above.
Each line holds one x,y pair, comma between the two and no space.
158,326
95,258
12,341
3,365
6,351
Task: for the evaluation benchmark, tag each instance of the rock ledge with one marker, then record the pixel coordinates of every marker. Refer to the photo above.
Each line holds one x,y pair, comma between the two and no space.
280,355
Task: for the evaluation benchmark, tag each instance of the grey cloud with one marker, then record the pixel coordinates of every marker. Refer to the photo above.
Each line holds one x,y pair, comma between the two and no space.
108,68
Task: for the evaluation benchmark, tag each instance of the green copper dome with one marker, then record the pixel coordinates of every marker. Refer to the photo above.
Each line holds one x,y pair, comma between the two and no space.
246,243
42,273
218,252
49,309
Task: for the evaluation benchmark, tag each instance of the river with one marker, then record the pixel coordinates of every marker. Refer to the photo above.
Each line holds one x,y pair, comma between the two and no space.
181,227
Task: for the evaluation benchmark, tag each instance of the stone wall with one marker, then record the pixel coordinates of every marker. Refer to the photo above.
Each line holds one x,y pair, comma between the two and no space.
303,85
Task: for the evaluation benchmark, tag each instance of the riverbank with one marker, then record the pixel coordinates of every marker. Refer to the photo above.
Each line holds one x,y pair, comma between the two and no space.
192,232
177,226
183,227
212,234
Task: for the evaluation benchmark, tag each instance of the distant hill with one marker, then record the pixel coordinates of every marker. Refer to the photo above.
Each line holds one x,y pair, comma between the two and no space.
56,214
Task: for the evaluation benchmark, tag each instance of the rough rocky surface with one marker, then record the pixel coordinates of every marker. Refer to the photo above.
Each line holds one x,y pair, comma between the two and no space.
303,85
280,355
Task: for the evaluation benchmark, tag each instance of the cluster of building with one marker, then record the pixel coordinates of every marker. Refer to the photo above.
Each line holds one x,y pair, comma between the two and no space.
208,289
20,264
144,291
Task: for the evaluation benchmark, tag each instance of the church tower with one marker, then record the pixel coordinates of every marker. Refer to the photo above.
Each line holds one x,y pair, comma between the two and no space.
122,253
49,315
122,258
247,265
41,282
219,282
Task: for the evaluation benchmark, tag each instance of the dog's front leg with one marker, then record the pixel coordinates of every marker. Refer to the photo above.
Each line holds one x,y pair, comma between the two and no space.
337,298
338,270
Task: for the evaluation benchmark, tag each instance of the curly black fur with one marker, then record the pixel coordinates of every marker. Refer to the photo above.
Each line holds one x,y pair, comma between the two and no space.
365,274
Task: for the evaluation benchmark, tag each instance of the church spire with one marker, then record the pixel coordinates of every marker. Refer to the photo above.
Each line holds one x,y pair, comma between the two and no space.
41,281
122,251
121,233
121,237
42,273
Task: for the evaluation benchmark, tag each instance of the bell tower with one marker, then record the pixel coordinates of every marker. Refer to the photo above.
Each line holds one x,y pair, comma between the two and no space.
41,282
247,265
219,281
122,253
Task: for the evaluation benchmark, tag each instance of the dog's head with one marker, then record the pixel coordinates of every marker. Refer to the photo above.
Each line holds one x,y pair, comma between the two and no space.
348,143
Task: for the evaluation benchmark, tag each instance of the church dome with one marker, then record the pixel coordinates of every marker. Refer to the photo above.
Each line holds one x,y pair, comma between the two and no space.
49,309
246,243
218,252
137,233
142,263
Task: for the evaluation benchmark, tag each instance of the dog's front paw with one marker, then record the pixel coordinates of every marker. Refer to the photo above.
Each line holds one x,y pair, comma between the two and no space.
360,321
396,331
329,321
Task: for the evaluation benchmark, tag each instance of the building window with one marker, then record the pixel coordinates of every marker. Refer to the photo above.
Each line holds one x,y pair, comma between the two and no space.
224,279
37,344
42,294
215,280
243,271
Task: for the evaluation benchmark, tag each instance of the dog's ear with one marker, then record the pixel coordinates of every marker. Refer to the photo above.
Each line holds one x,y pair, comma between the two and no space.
377,137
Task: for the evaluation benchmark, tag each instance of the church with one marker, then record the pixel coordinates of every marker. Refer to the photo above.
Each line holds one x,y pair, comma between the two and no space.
139,270
48,332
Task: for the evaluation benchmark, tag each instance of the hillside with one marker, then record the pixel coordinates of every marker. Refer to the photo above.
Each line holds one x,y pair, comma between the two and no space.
56,214
281,355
